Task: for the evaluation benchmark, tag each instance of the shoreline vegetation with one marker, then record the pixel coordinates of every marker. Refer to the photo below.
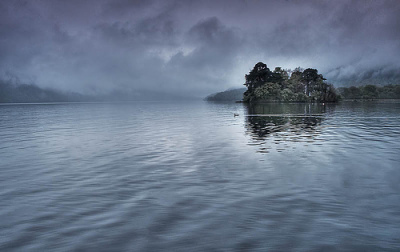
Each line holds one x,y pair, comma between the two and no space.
370,92
299,85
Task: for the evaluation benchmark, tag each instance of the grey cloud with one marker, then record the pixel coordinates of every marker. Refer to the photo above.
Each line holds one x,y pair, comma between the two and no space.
213,55
193,46
213,43
125,6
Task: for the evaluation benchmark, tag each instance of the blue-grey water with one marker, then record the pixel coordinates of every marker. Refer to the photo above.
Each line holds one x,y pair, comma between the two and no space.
190,176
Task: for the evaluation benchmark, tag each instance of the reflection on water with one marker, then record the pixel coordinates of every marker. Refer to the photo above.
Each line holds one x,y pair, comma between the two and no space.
289,108
190,177
273,123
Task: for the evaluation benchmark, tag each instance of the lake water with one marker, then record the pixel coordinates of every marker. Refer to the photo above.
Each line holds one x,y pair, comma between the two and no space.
192,177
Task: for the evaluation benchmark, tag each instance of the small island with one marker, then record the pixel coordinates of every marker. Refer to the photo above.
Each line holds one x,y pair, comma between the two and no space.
280,85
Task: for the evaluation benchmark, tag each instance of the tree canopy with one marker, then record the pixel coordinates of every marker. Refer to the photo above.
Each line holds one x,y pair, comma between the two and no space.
286,85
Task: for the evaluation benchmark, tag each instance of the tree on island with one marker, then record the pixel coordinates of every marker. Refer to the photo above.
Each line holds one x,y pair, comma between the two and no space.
302,85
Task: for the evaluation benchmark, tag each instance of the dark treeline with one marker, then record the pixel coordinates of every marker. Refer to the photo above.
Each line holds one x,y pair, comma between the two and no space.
285,85
370,92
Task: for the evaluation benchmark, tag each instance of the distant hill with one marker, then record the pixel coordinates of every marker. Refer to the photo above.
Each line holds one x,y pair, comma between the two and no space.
376,81
228,95
377,77
29,93
141,95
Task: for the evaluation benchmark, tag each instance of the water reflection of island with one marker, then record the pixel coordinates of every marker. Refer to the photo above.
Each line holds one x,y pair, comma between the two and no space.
276,124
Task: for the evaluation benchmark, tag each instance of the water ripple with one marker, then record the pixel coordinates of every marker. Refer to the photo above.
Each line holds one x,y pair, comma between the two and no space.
192,177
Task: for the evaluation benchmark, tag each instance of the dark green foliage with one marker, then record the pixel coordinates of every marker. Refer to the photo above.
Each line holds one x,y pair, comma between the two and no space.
389,92
257,76
302,85
350,93
228,95
370,92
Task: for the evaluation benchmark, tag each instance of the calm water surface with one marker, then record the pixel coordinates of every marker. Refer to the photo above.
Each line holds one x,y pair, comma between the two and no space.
192,177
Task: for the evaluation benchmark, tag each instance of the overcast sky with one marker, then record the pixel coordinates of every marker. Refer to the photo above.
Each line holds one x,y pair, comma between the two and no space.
192,46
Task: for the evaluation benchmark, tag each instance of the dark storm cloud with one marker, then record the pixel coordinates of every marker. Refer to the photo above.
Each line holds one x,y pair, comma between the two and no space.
210,40
119,7
193,47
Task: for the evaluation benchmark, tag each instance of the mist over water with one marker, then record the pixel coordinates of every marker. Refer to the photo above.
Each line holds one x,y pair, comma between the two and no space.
189,176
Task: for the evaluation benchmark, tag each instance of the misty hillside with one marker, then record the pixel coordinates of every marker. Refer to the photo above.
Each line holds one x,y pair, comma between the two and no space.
380,75
227,95
140,95
379,80
29,93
